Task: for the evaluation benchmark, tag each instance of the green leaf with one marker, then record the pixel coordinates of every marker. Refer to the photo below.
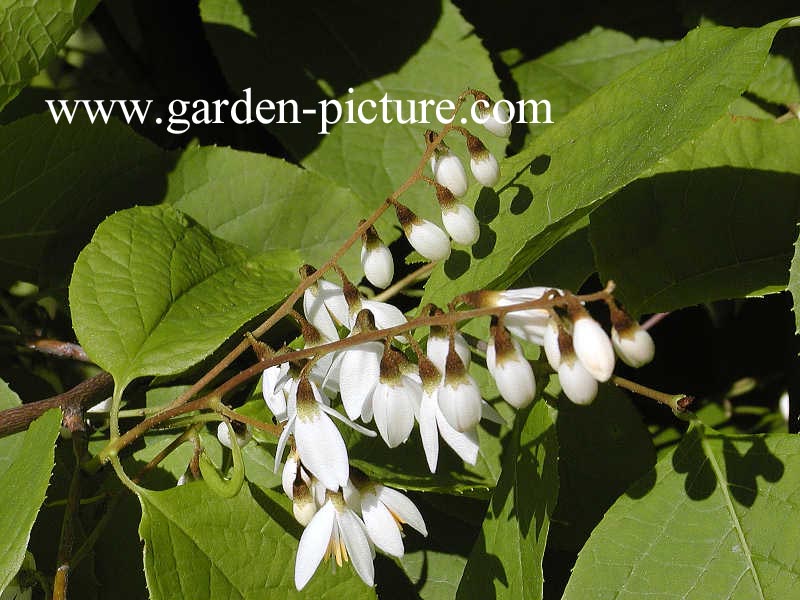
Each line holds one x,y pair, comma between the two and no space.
57,182
26,460
794,283
611,139
602,449
263,203
573,72
506,561
567,264
778,82
720,522
33,32
716,219
424,52
154,292
199,545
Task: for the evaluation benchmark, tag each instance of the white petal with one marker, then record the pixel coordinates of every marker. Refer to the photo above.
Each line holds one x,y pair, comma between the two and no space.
334,299
313,545
450,173
386,315
381,526
593,348
378,265
461,224
318,315
576,382
359,371
636,350
490,414
465,443
438,347
287,429
486,170
393,413
550,344
351,424
428,429
461,403
272,389
497,121
429,240
356,542
321,448
403,507
289,474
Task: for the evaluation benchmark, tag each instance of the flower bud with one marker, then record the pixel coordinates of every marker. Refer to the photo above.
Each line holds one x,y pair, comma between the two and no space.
241,430
550,343
482,162
449,172
303,505
439,344
510,369
576,382
461,223
592,346
376,260
425,237
632,343
494,116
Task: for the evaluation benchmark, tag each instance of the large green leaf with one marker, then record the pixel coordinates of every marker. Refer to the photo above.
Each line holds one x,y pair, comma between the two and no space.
794,283
154,292
423,52
603,448
716,219
201,546
26,460
57,182
263,203
33,31
720,522
506,561
609,140
571,73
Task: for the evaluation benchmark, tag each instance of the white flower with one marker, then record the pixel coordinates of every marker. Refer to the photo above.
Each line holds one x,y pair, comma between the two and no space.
303,505
324,306
511,371
439,345
485,169
359,370
335,530
459,397
576,382
433,423
592,347
395,404
461,224
319,444
275,385
224,436
289,475
384,511
495,118
529,324
378,265
449,172
425,237
634,345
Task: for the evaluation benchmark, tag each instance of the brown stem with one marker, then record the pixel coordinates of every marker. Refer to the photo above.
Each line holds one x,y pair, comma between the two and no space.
406,281
14,420
679,403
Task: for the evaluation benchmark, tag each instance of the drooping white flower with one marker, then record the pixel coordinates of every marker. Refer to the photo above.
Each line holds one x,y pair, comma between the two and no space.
319,444
376,260
510,369
291,470
275,385
432,422
335,530
459,396
631,342
425,237
461,224
242,433
359,369
576,382
303,505
494,116
324,306
438,346
449,172
395,400
529,324
591,343
482,163
384,511
550,344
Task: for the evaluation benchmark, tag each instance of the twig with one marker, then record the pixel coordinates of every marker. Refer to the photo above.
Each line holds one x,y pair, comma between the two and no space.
654,320
679,403
403,283
58,348
14,420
